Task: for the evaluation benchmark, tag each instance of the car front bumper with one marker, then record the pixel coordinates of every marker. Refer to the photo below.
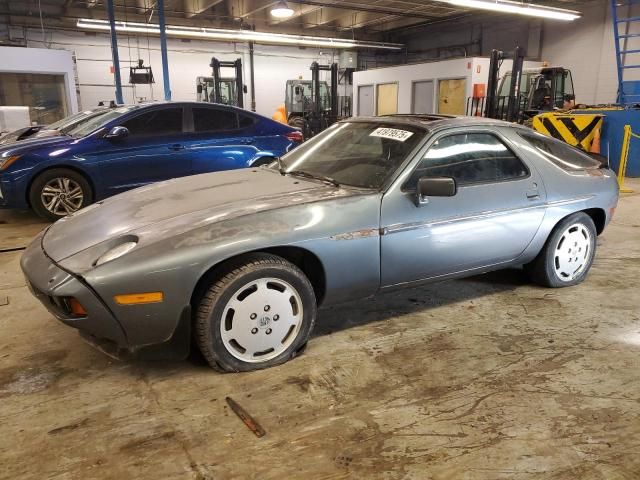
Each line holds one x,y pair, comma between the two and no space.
55,287
13,191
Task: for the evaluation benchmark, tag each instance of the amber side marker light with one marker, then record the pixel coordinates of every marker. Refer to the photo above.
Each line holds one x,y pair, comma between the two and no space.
76,307
139,298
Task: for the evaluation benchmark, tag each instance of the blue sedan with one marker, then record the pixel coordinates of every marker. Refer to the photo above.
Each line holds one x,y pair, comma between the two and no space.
130,146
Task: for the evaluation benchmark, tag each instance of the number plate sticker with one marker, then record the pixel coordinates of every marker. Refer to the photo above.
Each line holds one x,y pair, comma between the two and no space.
391,133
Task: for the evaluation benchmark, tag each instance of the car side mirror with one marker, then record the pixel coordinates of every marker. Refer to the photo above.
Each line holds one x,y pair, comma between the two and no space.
435,187
117,132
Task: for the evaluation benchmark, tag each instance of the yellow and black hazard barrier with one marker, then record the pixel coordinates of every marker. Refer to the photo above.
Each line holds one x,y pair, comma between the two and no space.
579,130
624,157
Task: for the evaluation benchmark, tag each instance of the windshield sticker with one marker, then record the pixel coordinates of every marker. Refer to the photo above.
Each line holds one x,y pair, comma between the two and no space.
391,133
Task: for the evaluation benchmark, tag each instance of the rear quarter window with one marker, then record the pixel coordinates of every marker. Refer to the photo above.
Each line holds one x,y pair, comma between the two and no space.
559,153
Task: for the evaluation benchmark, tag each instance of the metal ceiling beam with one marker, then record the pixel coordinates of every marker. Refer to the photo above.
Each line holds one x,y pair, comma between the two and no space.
195,7
257,9
362,7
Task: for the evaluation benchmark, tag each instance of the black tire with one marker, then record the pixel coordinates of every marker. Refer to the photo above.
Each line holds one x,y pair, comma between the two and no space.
48,176
229,284
544,269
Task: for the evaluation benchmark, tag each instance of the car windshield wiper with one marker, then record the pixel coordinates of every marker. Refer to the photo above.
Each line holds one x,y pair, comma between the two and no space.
322,178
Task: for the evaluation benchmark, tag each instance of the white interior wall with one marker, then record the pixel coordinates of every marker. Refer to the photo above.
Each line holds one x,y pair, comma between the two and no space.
187,60
586,47
44,61
475,70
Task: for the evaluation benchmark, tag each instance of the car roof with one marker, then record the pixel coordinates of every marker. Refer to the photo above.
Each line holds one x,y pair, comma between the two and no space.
436,122
158,103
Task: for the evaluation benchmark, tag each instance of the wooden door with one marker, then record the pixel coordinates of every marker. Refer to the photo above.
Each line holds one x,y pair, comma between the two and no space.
387,98
451,96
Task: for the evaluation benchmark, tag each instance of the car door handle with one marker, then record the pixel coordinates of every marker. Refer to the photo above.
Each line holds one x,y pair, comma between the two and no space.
247,142
533,194
177,146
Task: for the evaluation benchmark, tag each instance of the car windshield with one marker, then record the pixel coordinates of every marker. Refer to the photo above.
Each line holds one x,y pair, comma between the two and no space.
71,120
97,121
359,154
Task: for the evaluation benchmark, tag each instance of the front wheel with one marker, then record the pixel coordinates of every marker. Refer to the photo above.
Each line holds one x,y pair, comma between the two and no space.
257,315
59,192
568,254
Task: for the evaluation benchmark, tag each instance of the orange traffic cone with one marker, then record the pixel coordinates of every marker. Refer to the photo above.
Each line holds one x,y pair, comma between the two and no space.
595,143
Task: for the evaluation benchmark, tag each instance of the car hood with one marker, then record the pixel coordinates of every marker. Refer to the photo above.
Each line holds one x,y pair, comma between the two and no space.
29,144
165,209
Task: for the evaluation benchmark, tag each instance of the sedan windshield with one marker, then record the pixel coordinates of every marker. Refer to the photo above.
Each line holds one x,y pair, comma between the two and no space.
72,119
97,121
359,154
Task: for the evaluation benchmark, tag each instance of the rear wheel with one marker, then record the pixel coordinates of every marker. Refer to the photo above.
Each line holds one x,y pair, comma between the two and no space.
59,192
258,314
568,254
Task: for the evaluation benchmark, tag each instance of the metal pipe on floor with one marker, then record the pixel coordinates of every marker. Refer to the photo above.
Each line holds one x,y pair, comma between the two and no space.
163,50
114,52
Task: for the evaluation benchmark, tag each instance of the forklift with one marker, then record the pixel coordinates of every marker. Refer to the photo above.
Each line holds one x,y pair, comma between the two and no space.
311,105
523,93
224,90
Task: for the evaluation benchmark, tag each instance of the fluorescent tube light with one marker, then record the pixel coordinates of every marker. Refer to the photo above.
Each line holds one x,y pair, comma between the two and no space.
236,35
520,8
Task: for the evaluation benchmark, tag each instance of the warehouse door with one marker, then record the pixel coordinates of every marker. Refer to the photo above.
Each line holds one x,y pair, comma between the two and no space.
422,97
451,96
387,99
365,100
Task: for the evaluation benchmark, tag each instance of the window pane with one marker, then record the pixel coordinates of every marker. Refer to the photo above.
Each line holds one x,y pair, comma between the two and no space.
157,122
470,158
213,119
561,154
44,94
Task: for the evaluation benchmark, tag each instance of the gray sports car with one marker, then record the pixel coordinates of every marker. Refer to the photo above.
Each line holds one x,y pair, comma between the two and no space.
240,261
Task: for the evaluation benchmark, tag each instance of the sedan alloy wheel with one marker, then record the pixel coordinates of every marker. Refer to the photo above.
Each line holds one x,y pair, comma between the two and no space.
62,196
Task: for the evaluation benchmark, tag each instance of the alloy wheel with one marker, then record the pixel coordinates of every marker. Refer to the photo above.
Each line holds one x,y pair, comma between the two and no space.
261,320
572,253
62,196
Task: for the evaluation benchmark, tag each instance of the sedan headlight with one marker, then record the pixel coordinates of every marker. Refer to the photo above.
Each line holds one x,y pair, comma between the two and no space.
116,252
6,161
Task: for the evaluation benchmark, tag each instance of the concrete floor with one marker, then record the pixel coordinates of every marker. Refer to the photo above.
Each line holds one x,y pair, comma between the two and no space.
485,378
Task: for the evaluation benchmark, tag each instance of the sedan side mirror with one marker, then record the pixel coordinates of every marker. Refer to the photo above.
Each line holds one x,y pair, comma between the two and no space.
117,132
435,187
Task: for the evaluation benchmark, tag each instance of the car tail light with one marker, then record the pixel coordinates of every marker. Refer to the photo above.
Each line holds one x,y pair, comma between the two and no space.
295,136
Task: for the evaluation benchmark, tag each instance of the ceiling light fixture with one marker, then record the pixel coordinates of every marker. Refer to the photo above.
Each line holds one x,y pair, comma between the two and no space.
282,10
520,8
237,35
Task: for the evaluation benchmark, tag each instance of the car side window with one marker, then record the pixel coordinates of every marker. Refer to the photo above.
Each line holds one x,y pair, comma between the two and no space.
213,120
469,158
559,153
164,121
246,121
